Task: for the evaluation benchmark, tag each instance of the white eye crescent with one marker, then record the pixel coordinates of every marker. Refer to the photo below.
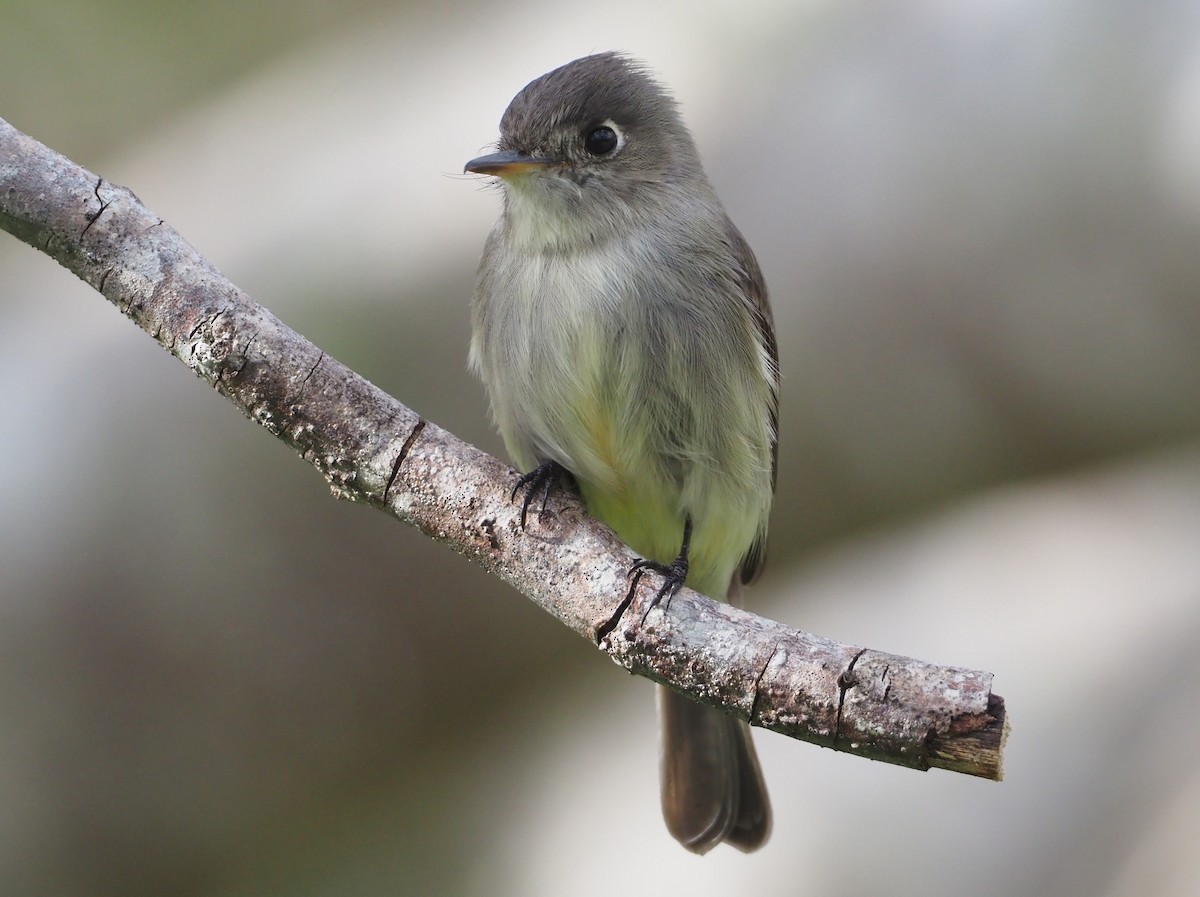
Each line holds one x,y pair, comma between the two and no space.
603,139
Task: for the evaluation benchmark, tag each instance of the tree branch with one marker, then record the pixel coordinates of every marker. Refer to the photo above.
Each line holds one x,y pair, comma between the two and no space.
373,449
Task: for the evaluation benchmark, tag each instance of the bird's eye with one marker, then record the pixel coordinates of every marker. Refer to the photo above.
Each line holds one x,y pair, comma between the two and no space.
601,140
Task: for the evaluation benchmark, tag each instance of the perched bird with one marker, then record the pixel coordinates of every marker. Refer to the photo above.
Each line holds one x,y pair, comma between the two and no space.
622,331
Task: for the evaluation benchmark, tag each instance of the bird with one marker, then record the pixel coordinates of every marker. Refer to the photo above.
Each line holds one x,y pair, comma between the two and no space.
621,329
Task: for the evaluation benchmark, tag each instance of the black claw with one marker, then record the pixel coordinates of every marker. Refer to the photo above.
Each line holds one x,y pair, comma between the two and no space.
542,478
674,574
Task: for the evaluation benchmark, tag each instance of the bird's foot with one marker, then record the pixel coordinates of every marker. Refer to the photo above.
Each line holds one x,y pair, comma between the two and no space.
674,574
541,479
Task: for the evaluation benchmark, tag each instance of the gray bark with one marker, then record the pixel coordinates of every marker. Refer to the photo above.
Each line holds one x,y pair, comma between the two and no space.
372,449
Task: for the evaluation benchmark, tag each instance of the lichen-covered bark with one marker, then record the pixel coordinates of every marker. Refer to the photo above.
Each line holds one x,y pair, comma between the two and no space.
373,449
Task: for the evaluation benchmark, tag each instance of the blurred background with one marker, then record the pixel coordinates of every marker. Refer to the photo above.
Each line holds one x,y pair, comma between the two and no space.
980,221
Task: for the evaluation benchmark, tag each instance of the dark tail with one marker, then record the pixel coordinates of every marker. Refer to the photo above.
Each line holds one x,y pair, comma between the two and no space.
712,787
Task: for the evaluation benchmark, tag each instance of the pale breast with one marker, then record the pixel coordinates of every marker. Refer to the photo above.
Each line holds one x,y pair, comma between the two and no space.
643,378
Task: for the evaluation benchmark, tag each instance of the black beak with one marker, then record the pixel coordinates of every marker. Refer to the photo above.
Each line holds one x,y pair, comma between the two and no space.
508,163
